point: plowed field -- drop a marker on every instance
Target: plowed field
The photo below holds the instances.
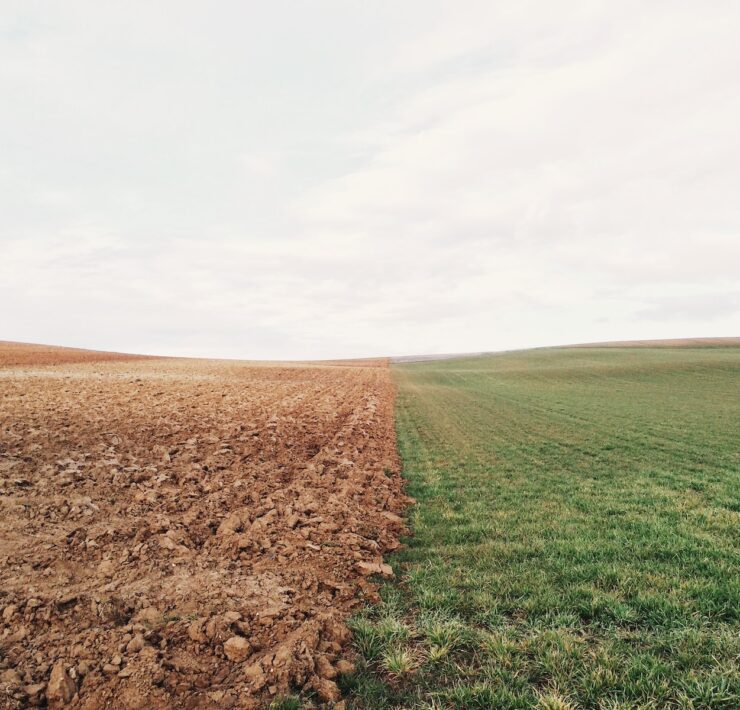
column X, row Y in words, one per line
column 184, row 533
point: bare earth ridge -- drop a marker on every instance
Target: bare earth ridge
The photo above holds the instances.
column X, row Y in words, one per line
column 187, row 533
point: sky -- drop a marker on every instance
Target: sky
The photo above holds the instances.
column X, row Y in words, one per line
column 301, row 180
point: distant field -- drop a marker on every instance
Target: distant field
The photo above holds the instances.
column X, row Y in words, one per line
column 17, row 354
column 576, row 537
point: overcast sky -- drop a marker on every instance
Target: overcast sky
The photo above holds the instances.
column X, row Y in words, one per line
column 338, row 179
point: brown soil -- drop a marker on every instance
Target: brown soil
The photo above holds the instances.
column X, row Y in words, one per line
column 12, row 354
column 182, row 533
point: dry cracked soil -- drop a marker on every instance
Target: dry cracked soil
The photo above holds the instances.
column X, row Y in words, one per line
column 183, row 533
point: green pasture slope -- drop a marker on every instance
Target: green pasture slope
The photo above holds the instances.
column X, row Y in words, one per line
column 576, row 534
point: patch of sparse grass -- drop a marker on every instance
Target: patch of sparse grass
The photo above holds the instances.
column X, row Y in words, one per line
column 437, row 654
column 442, row 632
column 576, row 535
column 367, row 640
column 287, row 702
column 399, row 661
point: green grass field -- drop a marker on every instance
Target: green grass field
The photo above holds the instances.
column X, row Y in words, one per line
column 575, row 538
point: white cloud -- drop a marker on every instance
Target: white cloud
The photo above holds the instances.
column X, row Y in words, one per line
column 325, row 180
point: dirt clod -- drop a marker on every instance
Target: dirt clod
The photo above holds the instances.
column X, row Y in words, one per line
column 326, row 689
column 135, row 644
column 61, row 687
column 237, row 648
column 345, row 667
column 368, row 568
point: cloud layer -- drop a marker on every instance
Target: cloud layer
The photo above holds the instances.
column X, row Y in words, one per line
column 290, row 180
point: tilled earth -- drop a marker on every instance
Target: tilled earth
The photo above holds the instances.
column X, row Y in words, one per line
column 184, row 533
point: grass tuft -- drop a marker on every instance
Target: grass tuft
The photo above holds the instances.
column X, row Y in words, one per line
column 399, row 662
column 287, row 702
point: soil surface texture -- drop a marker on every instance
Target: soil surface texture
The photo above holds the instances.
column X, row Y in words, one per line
column 187, row 533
